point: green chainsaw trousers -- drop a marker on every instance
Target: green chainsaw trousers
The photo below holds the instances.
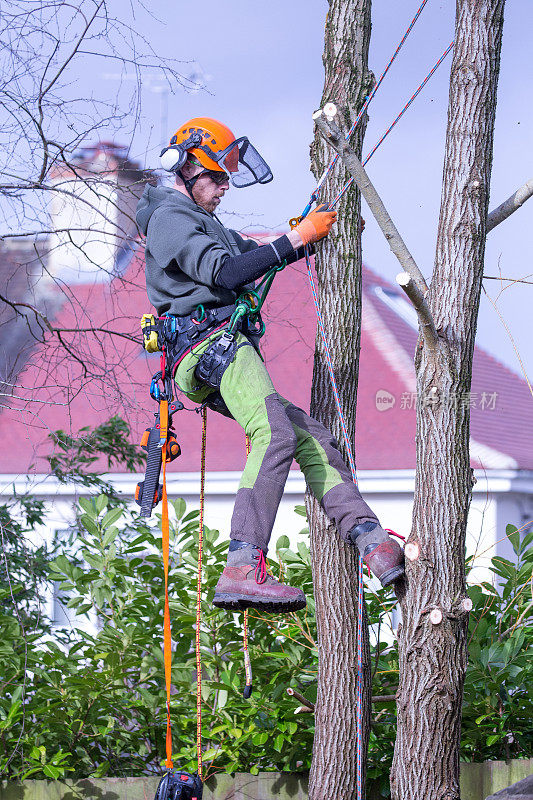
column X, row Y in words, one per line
column 278, row 432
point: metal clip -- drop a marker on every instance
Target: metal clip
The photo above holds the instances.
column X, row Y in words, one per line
column 294, row 221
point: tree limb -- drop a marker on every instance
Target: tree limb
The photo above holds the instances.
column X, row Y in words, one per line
column 427, row 326
column 383, row 698
column 510, row 205
column 306, row 703
column 336, row 139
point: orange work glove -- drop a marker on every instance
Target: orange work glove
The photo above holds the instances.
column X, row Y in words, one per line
column 317, row 224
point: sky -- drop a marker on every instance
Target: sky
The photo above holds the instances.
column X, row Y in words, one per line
column 261, row 66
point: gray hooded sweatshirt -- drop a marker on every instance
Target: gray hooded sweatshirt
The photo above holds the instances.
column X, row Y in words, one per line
column 186, row 247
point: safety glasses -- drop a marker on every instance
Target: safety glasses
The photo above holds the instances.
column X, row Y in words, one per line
column 217, row 177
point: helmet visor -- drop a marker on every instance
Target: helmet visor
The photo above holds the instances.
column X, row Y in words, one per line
column 243, row 163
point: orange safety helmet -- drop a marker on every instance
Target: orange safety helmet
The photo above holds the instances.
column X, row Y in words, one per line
column 216, row 148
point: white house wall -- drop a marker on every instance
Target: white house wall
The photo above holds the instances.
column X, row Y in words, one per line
column 83, row 250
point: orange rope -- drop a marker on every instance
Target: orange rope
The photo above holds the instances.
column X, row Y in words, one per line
column 167, row 636
column 199, row 598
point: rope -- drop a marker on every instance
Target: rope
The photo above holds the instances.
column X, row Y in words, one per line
column 199, row 598
column 247, row 662
column 167, row 636
column 370, row 97
column 393, row 124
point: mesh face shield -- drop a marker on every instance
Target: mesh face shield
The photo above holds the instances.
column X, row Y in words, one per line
column 242, row 162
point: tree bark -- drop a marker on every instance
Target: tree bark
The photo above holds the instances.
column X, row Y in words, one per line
column 432, row 638
column 338, row 265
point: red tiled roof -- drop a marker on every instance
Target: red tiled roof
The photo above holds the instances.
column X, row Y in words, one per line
column 59, row 395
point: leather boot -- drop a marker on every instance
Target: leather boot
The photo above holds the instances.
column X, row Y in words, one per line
column 245, row 583
column 381, row 553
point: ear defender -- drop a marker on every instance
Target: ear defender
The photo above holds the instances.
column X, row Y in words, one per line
column 174, row 156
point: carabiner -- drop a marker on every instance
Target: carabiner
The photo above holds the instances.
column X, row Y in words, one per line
column 294, row 221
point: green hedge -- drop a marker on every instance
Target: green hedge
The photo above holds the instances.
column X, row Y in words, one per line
column 77, row 704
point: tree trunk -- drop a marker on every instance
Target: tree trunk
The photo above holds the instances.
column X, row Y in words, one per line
column 432, row 639
column 338, row 265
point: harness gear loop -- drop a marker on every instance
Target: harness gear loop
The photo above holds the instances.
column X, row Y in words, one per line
column 199, row 598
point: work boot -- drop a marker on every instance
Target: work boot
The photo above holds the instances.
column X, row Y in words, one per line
column 381, row 553
column 245, row 583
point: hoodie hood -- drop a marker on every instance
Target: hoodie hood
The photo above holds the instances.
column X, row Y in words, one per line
column 154, row 197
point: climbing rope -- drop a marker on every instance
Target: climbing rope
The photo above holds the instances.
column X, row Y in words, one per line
column 167, row 637
column 368, row 100
column 199, row 598
column 393, row 124
column 247, row 691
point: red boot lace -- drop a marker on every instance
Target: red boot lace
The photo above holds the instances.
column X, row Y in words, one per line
column 261, row 569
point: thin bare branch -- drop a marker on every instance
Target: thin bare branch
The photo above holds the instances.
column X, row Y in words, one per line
column 509, row 206
column 427, row 326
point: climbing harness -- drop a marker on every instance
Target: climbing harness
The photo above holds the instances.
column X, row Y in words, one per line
column 178, row 336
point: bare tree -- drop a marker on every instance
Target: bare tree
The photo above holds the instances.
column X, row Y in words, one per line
column 338, row 265
column 67, row 191
column 432, row 637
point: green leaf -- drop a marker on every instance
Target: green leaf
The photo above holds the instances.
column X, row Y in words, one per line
column 51, row 772
column 180, row 506
column 101, row 502
column 493, row 739
column 300, row 510
column 222, row 698
column 513, row 534
column 87, row 504
column 283, row 543
column 109, row 537
column 111, row 517
column 210, row 754
column 89, row 524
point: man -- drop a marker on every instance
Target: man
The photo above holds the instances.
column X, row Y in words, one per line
column 195, row 270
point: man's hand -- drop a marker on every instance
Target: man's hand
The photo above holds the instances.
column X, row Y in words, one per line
column 316, row 225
